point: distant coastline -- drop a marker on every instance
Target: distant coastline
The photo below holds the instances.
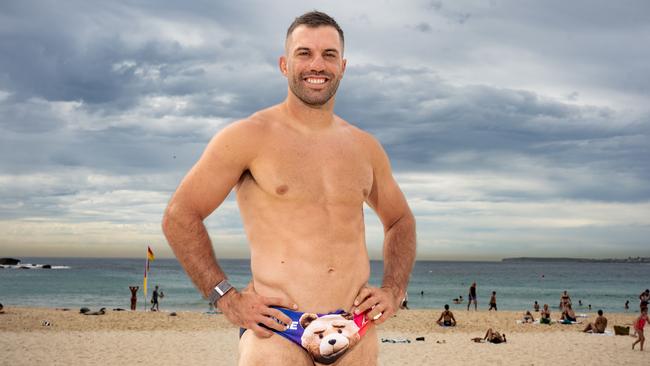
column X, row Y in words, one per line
column 581, row 260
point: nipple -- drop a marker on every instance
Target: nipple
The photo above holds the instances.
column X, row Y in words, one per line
column 282, row 189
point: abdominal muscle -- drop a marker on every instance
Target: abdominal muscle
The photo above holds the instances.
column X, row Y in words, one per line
column 313, row 254
column 321, row 283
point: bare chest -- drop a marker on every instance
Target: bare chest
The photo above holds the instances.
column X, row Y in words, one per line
column 332, row 171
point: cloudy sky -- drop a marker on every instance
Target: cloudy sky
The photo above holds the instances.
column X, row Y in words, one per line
column 515, row 128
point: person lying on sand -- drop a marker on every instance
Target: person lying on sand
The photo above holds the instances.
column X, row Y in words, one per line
column 446, row 318
column 491, row 336
column 598, row 326
column 101, row 311
column 528, row 317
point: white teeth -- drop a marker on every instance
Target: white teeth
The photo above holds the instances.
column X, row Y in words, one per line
column 315, row 81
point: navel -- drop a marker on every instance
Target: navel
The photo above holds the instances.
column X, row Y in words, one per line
column 282, row 189
column 365, row 193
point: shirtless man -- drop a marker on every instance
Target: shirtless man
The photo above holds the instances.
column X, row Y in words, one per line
column 301, row 174
column 491, row 336
column 446, row 319
column 472, row 297
column 598, row 326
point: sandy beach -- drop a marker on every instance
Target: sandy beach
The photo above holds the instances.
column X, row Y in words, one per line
column 190, row 338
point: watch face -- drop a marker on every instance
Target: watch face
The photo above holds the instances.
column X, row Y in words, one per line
column 223, row 287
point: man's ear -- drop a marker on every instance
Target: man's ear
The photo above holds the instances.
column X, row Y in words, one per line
column 345, row 62
column 282, row 63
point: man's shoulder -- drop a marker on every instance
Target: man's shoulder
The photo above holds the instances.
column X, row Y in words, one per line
column 367, row 139
column 244, row 133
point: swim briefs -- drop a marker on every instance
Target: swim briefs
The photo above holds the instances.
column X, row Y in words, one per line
column 326, row 337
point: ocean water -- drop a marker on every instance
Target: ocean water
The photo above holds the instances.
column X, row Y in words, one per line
column 94, row 283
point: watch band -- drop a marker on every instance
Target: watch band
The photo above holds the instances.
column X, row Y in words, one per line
column 219, row 290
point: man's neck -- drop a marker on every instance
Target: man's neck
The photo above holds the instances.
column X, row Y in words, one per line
column 309, row 117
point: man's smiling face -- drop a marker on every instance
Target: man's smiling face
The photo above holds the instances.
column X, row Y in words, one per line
column 313, row 63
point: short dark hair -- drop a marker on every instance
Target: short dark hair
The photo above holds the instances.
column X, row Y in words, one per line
column 446, row 307
column 314, row 19
column 600, row 312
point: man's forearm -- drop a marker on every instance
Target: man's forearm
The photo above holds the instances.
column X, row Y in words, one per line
column 191, row 244
column 399, row 254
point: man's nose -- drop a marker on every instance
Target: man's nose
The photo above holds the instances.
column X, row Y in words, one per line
column 317, row 63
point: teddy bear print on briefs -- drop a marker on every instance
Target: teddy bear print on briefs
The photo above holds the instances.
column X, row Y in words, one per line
column 328, row 337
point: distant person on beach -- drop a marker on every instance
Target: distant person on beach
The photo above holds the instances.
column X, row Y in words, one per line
column 301, row 176
column 565, row 300
column 639, row 324
column 598, row 326
column 536, row 306
column 134, row 296
column 458, row 300
column 627, row 305
column 492, row 336
column 446, row 319
column 644, row 298
column 493, row 301
column 2, row 309
column 545, row 315
column 154, row 299
column 568, row 315
column 472, row 297
column 528, row 317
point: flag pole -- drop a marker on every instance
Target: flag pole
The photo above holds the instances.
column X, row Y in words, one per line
column 144, row 282
column 150, row 257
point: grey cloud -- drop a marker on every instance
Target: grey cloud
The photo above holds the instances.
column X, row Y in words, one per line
column 423, row 27
column 497, row 94
column 420, row 118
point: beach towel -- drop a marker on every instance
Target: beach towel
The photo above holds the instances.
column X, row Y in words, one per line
column 519, row 321
column 395, row 340
column 536, row 322
column 607, row 333
column 560, row 321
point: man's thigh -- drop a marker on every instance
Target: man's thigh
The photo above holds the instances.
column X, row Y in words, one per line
column 275, row 350
column 364, row 353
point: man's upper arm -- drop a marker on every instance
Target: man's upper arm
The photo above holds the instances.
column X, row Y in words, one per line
column 211, row 179
column 385, row 197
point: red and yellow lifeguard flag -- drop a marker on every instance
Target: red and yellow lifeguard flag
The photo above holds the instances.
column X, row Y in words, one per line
column 150, row 258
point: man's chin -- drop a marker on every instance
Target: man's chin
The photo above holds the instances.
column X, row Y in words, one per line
column 314, row 101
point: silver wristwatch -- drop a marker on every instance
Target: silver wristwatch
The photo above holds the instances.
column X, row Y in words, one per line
column 219, row 290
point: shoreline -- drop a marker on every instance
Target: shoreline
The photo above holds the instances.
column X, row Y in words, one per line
column 193, row 338
column 633, row 311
